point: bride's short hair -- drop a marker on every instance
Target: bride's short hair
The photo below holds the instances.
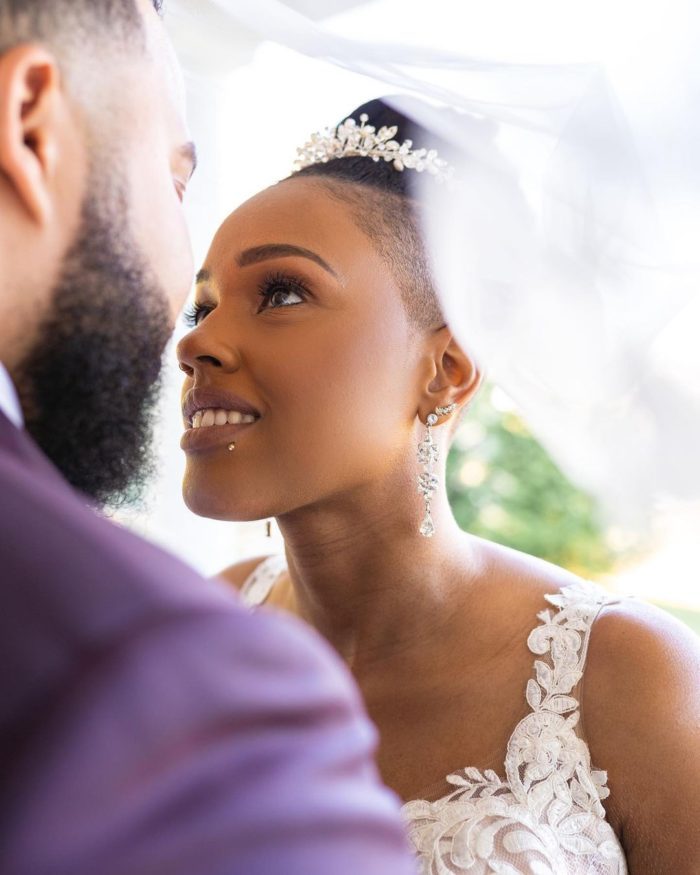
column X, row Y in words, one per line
column 383, row 202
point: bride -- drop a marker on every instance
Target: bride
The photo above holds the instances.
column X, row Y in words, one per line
column 322, row 385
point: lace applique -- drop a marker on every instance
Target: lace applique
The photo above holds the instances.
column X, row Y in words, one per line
column 258, row 586
column 546, row 817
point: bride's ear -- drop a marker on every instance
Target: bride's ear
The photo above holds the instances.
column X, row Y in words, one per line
column 455, row 377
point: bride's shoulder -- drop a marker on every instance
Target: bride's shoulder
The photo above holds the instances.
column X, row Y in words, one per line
column 642, row 670
column 522, row 579
column 642, row 662
column 641, row 710
column 634, row 647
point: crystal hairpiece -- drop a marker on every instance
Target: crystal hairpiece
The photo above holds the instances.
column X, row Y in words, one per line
column 350, row 139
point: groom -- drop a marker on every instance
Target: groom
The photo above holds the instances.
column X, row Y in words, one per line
column 148, row 724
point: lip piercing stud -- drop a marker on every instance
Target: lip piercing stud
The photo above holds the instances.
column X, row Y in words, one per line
column 231, row 447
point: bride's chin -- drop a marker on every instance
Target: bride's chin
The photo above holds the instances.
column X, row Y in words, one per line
column 215, row 507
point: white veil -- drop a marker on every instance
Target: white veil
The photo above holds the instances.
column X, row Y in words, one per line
column 567, row 260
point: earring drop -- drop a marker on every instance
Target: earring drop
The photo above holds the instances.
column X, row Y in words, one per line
column 428, row 456
column 231, row 447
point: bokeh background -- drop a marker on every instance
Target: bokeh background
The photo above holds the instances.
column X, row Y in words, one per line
column 503, row 485
column 251, row 103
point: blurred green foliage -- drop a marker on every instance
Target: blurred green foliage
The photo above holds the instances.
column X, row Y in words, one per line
column 504, row 486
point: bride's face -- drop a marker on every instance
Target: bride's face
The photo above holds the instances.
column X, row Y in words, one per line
column 301, row 325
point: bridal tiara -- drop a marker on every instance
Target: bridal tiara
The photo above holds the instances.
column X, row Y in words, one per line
column 351, row 140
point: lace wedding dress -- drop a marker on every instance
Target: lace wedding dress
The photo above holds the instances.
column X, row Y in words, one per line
column 543, row 815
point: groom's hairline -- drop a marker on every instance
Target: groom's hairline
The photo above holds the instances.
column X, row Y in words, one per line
column 54, row 22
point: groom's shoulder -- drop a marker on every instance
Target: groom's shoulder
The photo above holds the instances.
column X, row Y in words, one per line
column 124, row 669
column 67, row 570
column 68, row 554
column 74, row 583
column 77, row 587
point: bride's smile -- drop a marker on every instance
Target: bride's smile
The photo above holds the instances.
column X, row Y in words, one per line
column 212, row 417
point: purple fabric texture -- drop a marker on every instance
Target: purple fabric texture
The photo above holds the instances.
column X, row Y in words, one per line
column 150, row 724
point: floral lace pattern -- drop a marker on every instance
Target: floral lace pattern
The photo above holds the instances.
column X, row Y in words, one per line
column 546, row 816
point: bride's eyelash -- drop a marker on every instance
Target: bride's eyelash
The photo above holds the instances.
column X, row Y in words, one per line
column 194, row 313
column 281, row 282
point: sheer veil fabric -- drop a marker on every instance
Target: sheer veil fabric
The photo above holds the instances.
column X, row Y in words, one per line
column 565, row 256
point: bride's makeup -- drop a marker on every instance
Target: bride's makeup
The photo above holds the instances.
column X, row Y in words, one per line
column 194, row 313
column 274, row 287
column 276, row 291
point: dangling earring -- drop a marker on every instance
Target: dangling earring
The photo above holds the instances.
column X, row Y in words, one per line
column 428, row 456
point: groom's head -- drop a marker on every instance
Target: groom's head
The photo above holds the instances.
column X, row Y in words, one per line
column 95, row 258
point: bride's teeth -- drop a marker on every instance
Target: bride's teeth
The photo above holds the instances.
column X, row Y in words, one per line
column 208, row 418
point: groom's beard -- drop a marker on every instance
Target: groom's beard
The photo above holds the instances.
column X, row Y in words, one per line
column 91, row 382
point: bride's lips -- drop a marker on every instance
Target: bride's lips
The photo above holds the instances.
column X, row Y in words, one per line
column 196, row 401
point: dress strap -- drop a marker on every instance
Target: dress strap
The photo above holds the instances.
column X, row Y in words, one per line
column 258, row 585
column 547, row 760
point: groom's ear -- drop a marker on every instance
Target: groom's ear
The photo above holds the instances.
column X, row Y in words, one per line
column 455, row 375
column 33, row 118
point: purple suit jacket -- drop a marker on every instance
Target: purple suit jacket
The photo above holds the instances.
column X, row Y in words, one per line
column 149, row 724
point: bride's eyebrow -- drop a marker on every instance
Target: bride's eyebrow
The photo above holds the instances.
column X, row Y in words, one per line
column 281, row 250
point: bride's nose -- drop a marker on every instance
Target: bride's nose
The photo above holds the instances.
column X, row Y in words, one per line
column 202, row 349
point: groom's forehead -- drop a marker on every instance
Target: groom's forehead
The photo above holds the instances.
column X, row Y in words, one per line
column 166, row 64
column 164, row 93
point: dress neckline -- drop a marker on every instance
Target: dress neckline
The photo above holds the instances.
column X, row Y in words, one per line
column 545, row 813
column 548, row 731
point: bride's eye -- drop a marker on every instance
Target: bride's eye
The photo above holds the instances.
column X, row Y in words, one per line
column 195, row 313
column 281, row 290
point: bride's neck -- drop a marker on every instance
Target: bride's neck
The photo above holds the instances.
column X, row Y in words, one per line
column 366, row 579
